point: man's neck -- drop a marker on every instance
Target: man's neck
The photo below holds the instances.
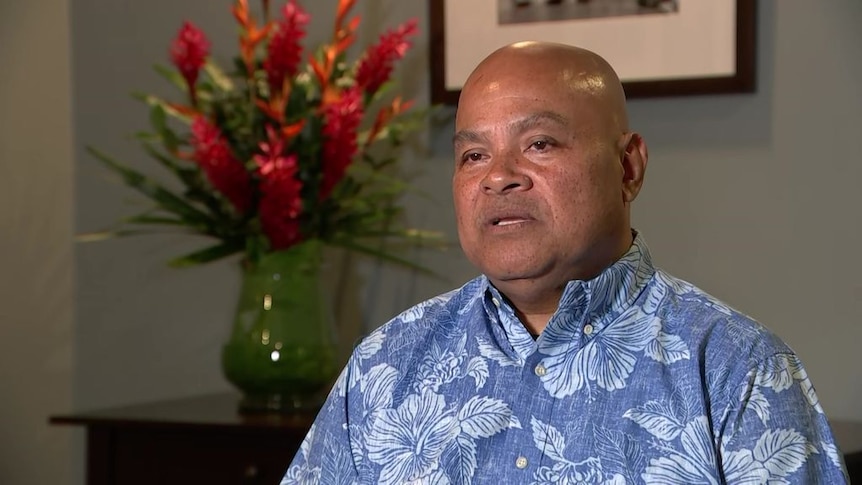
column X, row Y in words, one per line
column 535, row 323
column 535, row 300
column 533, row 306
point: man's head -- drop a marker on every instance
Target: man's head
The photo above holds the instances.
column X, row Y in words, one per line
column 545, row 169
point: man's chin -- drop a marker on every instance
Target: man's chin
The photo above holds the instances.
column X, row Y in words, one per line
column 514, row 274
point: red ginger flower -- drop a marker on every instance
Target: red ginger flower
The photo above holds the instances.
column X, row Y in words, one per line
column 375, row 68
column 284, row 51
column 280, row 202
column 250, row 35
column 189, row 52
column 223, row 170
column 385, row 115
column 341, row 122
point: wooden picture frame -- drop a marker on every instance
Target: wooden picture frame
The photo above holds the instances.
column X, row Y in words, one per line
column 706, row 47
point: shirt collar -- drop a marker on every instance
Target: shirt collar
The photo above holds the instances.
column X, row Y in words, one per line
column 607, row 295
column 597, row 301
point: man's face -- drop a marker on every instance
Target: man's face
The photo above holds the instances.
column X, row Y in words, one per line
column 538, row 181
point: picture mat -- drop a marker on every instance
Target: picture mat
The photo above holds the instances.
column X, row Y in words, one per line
column 697, row 41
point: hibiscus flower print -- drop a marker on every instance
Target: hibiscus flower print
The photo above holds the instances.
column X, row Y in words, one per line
column 440, row 366
column 411, row 438
column 553, row 444
column 776, row 455
column 607, row 360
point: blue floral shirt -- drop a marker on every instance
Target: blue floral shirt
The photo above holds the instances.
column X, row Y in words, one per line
column 638, row 378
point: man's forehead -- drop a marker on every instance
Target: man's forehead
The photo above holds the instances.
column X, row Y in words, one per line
column 478, row 130
column 517, row 120
column 524, row 89
column 535, row 103
column 553, row 74
column 586, row 81
column 574, row 104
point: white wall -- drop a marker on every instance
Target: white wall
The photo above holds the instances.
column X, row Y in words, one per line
column 36, row 297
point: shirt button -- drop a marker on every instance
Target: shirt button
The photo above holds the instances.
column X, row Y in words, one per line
column 521, row 462
column 540, row 370
column 588, row 329
column 496, row 302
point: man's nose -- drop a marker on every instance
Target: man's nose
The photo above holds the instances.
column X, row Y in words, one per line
column 506, row 174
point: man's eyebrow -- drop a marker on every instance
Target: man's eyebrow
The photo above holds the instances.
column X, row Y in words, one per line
column 467, row 136
column 524, row 124
column 517, row 126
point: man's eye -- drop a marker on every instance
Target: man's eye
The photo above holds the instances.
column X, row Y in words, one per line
column 472, row 157
column 540, row 145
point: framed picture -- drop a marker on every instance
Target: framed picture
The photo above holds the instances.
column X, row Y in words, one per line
column 658, row 47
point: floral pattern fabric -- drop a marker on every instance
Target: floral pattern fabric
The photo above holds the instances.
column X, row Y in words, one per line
column 638, row 378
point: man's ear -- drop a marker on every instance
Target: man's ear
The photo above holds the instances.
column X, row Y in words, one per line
column 634, row 162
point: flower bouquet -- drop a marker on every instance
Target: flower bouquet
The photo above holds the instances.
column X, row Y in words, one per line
column 275, row 158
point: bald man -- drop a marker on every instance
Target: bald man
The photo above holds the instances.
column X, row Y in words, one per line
column 571, row 359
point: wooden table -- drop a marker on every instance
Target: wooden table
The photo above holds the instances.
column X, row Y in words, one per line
column 848, row 434
column 204, row 440
column 198, row 440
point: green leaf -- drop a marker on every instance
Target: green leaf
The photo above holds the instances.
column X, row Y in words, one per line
column 415, row 237
column 146, row 136
column 172, row 76
column 164, row 198
column 96, row 236
column 381, row 92
column 103, row 235
column 163, row 159
column 155, row 220
column 191, row 178
column 206, row 255
column 218, row 77
column 169, row 110
column 159, row 120
column 384, row 255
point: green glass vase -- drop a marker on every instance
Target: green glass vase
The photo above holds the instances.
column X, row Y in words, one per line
column 282, row 352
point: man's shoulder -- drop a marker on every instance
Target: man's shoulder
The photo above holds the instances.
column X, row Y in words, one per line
column 709, row 320
column 413, row 325
column 683, row 296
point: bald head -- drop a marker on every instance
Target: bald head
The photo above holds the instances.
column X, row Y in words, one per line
column 545, row 171
column 567, row 70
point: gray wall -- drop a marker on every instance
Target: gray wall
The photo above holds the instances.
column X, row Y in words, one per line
column 754, row 198
column 36, row 292
column 747, row 196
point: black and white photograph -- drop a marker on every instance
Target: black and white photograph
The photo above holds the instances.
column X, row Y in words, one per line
column 523, row 11
column 659, row 47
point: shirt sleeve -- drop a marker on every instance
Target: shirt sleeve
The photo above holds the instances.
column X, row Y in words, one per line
column 777, row 430
column 325, row 454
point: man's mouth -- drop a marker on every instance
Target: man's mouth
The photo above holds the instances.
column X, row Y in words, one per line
column 507, row 221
